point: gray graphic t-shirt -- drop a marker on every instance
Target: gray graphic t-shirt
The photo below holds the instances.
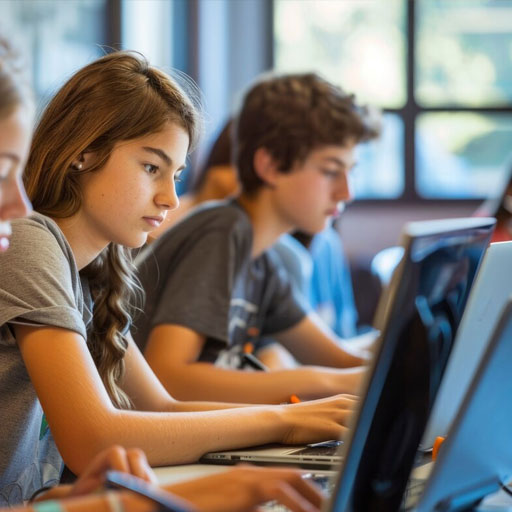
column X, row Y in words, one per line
column 200, row 274
column 39, row 285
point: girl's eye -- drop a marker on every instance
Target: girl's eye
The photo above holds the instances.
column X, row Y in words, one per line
column 152, row 169
column 177, row 177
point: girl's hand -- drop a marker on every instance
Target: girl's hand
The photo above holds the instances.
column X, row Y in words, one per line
column 132, row 461
column 318, row 420
column 245, row 487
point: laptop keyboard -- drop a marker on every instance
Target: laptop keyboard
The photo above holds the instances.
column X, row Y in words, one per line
column 412, row 493
column 326, row 449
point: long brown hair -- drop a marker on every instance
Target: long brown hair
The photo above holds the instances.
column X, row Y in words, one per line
column 116, row 98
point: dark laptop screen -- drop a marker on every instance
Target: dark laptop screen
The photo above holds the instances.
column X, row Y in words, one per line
column 424, row 306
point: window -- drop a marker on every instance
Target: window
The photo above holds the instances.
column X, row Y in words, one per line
column 463, row 90
column 146, row 27
column 57, row 37
column 440, row 70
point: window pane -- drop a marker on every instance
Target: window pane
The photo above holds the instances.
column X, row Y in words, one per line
column 357, row 44
column 154, row 44
column 57, row 37
column 379, row 172
column 464, row 52
column 462, row 155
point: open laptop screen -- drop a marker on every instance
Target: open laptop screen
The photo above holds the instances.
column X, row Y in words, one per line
column 419, row 317
column 489, row 293
column 476, row 457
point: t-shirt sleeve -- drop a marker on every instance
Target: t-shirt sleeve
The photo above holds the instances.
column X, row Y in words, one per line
column 196, row 285
column 286, row 305
column 36, row 283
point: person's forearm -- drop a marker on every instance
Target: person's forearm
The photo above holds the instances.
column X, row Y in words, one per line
column 168, row 438
column 202, row 381
column 351, row 356
column 311, row 342
column 189, row 406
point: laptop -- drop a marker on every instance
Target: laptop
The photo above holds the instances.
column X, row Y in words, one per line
column 316, row 456
column 492, row 288
column 422, row 310
column 476, row 457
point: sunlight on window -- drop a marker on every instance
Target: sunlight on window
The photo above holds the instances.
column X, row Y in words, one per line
column 462, row 154
column 57, row 38
column 145, row 27
column 379, row 173
column 464, row 52
column 359, row 45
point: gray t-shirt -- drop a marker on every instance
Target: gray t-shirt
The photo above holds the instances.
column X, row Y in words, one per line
column 39, row 285
column 200, row 274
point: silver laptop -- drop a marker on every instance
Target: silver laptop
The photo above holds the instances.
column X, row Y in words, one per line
column 314, row 456
column 476, row 457
column 423, row 307
column 492, row 288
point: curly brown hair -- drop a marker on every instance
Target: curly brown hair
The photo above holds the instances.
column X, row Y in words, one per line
column 115, row 98
column 289, row 116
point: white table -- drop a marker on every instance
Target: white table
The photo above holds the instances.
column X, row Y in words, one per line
column 174, row 474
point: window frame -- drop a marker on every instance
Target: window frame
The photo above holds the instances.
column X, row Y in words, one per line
column 409, row 114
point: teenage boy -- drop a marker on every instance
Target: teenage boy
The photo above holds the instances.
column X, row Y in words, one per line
column 213, row 284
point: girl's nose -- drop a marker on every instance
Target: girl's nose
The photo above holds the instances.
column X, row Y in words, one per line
column 168, row 198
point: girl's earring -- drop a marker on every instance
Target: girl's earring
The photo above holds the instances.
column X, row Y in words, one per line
column 78, row 164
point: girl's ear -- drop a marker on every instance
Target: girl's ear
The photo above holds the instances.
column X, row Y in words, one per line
column 265, row 167
column 84, row 161
column 89, row 158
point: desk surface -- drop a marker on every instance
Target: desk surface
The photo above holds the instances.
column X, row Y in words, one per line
column 174, row 474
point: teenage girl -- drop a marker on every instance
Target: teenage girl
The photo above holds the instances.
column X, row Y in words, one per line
column 101, row 175
column 246, row 487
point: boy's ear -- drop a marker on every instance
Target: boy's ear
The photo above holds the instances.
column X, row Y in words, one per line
column 265, row 167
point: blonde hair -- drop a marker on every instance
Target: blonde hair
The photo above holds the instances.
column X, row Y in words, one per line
column 14, row 86
column 118, row 97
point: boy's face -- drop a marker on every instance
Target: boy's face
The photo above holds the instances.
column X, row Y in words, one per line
column 316, row 188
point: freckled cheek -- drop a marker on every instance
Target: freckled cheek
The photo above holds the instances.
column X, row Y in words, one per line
column 132, row 191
